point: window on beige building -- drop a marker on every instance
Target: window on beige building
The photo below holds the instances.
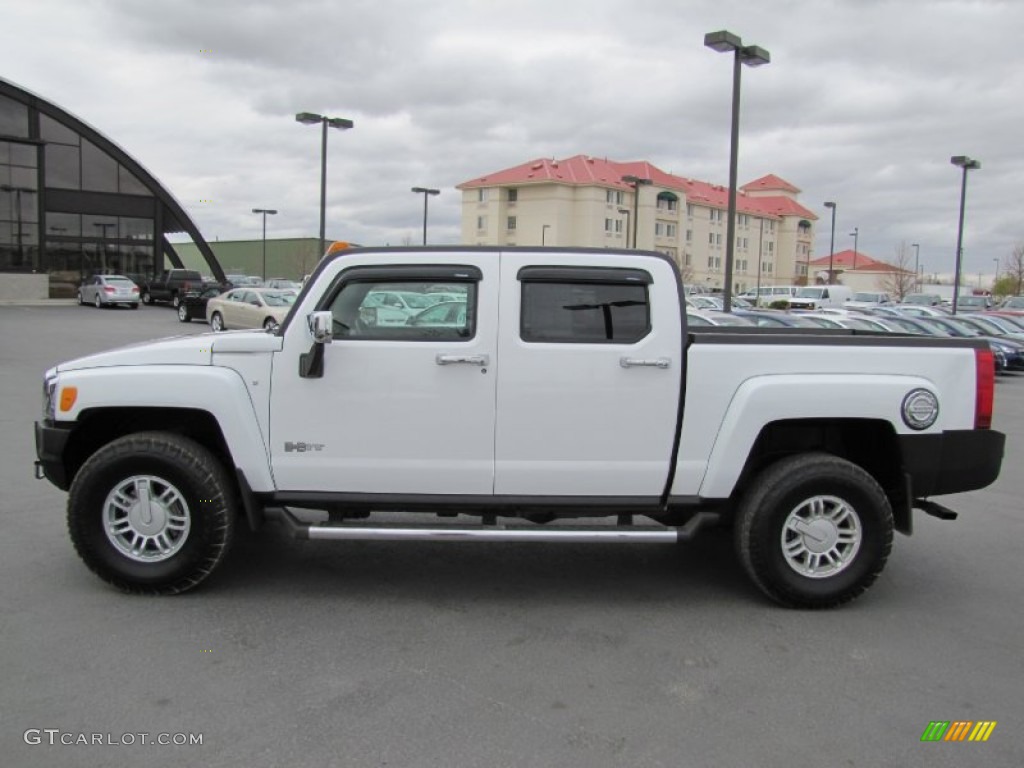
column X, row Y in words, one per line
column 513, row 195
column 481, row 222
column 481, row 195
column 511, row 223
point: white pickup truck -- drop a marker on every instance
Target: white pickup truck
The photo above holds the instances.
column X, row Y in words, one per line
column 557, row 384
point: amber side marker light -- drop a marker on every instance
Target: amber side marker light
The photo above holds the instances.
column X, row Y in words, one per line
column 68, row 395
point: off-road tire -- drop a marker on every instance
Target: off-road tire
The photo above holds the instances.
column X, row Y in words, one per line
column 204, row 486
column 774, row 497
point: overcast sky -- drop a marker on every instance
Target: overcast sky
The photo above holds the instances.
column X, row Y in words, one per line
column 864, row 103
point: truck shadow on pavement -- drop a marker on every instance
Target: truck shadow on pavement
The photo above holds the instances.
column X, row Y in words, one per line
column 703, row 571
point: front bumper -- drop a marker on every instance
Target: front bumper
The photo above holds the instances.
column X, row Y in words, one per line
column 954, row 461
column 51, row 441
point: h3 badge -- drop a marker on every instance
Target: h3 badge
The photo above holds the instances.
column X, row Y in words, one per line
column 290, row 447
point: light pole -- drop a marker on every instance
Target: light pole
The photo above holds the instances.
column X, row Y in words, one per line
column 311, row 118
column 854, row 234
column 636, row 182
column 426, row 192
column 760, row 245
column 917, row 266
column 17, row 207
column 625, row 212
column 271, row 212
column 752, row 56
column 544, row 234
column 103, row 226
column 961, row 161
column 832, row 242
column 995, row 276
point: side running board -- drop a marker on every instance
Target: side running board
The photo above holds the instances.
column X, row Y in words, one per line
column 598, row 535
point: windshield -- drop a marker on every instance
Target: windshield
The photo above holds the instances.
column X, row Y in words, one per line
column 282, row 299
column 810, row 293
column 867, row 297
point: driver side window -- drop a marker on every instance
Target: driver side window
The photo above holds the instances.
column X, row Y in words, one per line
column 388, row 309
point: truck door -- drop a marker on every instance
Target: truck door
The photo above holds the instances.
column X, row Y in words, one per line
column 401, row 408
column 589, row 387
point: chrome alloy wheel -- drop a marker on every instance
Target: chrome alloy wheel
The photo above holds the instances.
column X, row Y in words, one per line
column 821, row 537
column 146, row 518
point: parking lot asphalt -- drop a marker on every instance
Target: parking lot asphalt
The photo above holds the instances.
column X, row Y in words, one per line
column 430, row 654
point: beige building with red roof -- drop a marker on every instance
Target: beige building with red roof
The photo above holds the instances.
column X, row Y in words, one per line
column 583, row 202
column 860, row 272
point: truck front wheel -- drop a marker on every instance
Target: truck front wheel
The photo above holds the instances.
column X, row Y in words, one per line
column 152, row 513
column 814, row 531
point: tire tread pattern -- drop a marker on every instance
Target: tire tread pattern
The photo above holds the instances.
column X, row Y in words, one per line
column 184, row 454
column 768, row 488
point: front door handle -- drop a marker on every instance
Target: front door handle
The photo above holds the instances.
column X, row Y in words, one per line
column 630, row 362
column 443, row 359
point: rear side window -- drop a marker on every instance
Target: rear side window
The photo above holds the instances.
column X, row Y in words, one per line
column 584, row 306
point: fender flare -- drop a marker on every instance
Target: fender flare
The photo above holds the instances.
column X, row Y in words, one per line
column 221, row 392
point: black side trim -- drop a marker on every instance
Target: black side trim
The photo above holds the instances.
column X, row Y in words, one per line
column 566, row 505
column 610, row 275
column 953, row 461
column 51, row 440
column 452, row 273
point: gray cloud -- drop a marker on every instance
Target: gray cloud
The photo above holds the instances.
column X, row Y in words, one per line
column 864, row 102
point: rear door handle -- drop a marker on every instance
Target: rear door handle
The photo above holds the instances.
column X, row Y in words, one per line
column 443, row 359
column 637, row 362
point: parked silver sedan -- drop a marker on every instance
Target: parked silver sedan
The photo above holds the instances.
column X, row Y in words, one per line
column 108, row 291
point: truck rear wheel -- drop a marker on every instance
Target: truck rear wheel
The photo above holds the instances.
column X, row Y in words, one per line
column 152, row 513
column 814, row 531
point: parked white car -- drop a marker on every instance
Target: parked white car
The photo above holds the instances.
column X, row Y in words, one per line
column 868, row 299
column 818, row 296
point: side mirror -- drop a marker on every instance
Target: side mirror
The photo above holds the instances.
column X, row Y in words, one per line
column 321, row 325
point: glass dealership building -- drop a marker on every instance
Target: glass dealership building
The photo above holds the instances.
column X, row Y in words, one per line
column 73, row 203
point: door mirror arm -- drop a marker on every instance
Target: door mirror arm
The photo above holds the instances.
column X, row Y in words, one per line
column 321, row 327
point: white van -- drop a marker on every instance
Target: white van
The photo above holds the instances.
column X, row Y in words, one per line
column 818, row 296
column 766, row 294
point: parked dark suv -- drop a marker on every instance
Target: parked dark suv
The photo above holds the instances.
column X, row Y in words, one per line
column 171, row 285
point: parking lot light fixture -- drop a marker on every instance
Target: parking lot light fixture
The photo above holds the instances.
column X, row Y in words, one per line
column 426, row 192
column 832, row 242
column 265, row 212
column 341, row 123
column 752, row 56
column 625, row 212
column 967, row 164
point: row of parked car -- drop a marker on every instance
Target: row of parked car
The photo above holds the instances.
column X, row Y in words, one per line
column 1002, row 327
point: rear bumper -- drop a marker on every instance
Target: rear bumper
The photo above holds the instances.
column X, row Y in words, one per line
column 50, row 444
column 953, row 461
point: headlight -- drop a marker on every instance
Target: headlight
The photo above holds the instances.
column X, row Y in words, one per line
column 49, row 390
